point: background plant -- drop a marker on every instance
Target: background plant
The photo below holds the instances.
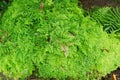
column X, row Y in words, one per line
column 109, row 17
column 3, row 6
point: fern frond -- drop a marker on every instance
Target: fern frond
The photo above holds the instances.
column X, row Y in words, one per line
column 109, row 18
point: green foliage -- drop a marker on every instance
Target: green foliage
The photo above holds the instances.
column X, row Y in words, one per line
column 109, row 18
column 3, row 6
column 56, row 40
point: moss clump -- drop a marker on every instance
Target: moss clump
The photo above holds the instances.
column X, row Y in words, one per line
column 56, row 40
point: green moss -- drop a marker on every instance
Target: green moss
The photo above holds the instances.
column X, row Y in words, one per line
column 57, row 41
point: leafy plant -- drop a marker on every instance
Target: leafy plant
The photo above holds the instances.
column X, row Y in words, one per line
column 55, row 40
column 109, row 18
column 3, row 6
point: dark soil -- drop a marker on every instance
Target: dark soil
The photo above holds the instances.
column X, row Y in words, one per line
column 90, row 4
column 111, row 75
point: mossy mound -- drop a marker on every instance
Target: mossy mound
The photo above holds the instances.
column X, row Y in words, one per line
column 54, row 39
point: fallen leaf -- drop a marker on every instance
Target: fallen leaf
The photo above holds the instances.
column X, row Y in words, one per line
column 65, row 49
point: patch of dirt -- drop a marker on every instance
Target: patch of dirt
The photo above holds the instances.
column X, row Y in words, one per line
column 90, row 4
column 114, row 75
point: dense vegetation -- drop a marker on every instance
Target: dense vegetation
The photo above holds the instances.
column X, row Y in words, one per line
column 54, row 39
